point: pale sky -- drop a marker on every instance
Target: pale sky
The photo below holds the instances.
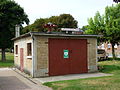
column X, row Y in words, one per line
column 81, row 10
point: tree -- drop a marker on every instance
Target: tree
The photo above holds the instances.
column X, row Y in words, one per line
column 97, row 26
column 10, row 14
column 112, row 25
column 37, row 26
column 62, row 21
column 107, row 25
column 84, row 28
column 66, row 21
column 116, row 1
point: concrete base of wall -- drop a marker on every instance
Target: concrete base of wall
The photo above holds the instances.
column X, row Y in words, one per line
column 25, row 70
column 41, row 73
column 93, row 68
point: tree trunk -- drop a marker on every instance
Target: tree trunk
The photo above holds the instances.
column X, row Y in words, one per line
column 113, row 52
column 3, row 55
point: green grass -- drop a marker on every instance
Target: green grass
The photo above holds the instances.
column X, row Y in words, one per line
column 99, row 83
column 9, row 60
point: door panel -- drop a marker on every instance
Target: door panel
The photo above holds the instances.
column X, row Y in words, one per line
column 77, row 61
column 57, row 64
column 21, row 59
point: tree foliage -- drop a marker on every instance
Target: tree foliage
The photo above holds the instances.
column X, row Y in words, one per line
column 84, row 28
column 116, row 1
column 10, row 14
column 107, row 25
column 62, row 21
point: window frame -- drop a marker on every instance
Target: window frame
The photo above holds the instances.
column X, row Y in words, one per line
column 29, row 50
column 16, row 49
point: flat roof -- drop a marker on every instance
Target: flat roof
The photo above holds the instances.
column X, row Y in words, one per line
column 55, row 34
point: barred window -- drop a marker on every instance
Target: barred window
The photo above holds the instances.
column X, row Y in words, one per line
column 16, row 49
column 29, row 49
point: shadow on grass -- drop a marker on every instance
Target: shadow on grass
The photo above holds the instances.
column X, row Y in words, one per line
column 9, row 60
column 110, row 69
column 110, row 59
column 7, row 63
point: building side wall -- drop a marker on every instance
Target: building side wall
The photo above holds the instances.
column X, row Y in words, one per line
column 42, row 56
column 22, row 43
column 92, row 54
column 40, row 66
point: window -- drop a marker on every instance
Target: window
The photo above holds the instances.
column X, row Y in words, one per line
column 109, row 45
column 29, row 49
column 102, row 46
column 115, row 46
column 16, row 49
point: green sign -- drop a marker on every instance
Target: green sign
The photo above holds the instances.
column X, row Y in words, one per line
column 66, row 53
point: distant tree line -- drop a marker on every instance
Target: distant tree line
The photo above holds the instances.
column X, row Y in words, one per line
column 62, row 21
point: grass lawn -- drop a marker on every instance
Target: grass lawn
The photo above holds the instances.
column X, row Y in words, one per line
column 99, row 83
column 9, row 62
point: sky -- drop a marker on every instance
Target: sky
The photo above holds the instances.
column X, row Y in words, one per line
column 81, row 10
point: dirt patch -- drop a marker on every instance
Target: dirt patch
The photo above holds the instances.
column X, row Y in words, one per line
column 61, row 85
